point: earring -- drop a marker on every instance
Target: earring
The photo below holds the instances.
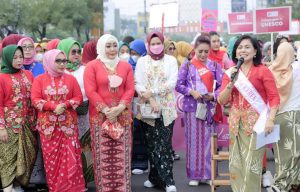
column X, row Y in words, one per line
column 254, row 56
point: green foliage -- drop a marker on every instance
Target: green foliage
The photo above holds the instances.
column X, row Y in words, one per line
column 11, row 16
column 40, row 17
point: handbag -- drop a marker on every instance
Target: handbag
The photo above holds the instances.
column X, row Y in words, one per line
column 147, row 112
column 113, row 130
column 83, row 109
column 201, row 111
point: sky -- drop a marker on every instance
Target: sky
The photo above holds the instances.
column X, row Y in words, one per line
column 132, row 7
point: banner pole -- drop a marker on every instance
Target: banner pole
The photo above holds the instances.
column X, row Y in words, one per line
column 272, row 55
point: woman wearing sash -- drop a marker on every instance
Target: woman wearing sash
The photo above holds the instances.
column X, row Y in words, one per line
column 196, row 83
column 245, row 161
column 109, row 85
column 287, row 150
column 156, row 76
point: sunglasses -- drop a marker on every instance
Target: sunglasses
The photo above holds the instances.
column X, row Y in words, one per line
column 172, row 48
column 61, row 61
column 74, row 51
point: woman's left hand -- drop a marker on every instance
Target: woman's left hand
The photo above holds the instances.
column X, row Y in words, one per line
column 114, row 112
column 269, row 126
column 146, row 95
column 209, row 97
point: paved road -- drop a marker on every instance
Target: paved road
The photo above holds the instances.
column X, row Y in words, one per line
column 181, row 180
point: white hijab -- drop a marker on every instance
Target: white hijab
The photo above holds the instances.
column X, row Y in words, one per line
column 109, row 63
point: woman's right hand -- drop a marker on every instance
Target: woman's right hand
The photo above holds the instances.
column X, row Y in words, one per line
column 234, row 70
column 3, row 135
column 60, row 109
column 195, row 94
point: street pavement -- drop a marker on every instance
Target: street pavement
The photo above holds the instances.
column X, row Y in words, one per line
column 181, row 179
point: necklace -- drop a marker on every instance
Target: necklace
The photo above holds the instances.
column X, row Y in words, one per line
column 57, row 93
column 155, row 73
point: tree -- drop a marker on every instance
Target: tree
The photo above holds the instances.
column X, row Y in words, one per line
column 77, row 12
column 11, row 17
column 38, row 17
column 41, row 14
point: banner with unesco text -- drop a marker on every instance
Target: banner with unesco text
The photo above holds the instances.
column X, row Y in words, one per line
column 272, row 20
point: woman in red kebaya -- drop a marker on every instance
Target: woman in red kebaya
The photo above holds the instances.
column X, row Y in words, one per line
column 56, row 95
column 17, row 143
column 109, row 86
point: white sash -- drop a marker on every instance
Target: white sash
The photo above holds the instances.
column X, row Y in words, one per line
column 248, row 91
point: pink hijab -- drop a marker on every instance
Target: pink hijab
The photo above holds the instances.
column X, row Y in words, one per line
column 49, row 62
column 27, row 61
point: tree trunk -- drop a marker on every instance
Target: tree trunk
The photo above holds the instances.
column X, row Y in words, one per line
column 78, row 33
column 87, row 34
column 44, row 31
column 2, row 34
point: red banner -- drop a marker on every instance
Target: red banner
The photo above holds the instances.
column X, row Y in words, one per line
column 273, row 20
column 240, row 23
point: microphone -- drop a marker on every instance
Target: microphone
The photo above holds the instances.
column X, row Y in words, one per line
column 238, row 66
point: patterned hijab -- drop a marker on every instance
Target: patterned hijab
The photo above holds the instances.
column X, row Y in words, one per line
column 109, row 63
column 89, row 51
column 28, row 61
column 8, row 53
column 161, row 37
column 49, row 62
column 282, row 71
column 65, row 45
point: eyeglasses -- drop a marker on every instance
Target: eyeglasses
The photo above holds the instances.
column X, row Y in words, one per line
column 74, row 51
column 61, row 61
column 30, row 47
column 172, row 48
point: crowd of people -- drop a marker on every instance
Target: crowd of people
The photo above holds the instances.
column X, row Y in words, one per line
column 70, row 115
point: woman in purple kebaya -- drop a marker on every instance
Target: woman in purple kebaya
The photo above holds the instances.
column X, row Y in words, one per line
column 199, row 80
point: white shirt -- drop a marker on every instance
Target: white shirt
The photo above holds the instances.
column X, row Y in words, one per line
column 170, row 70
column 78, row 74
column 293, row 102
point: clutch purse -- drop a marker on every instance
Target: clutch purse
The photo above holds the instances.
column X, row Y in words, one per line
column 113, row 130
column 201, row 111
column 147, row 112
